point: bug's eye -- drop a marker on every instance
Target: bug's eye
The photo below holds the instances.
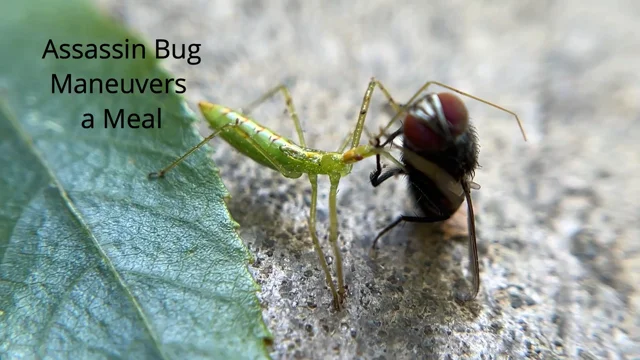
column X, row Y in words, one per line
column 455, row 112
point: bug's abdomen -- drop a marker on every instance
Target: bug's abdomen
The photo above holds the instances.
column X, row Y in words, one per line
column 253, row 140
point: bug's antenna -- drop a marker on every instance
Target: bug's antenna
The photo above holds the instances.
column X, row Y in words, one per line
column 486, row 102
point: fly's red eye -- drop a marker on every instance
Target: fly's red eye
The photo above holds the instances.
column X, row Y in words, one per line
column 421, row 136
column 455, row 112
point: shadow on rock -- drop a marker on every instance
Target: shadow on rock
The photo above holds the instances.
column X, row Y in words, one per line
column 410, row 300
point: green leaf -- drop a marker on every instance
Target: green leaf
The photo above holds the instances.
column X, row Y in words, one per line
column 97, row 261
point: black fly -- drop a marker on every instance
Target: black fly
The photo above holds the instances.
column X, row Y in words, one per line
column 439, row 157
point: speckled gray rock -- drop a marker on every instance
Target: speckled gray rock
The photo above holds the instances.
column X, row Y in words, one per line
column 557, row 217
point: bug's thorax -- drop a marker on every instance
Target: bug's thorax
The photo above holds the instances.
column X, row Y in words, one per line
column 358, row 153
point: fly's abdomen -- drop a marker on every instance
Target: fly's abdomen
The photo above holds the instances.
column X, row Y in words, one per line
column 429, row 197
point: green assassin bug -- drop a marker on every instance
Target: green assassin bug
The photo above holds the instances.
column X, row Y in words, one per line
column 293, row 160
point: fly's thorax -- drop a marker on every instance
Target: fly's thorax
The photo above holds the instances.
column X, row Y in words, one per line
column 459, row 158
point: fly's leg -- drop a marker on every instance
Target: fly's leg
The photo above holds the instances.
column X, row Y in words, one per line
column 377, row 177
column 405, row 218
column 291, row 109
column 313, row 179
column 474, row 268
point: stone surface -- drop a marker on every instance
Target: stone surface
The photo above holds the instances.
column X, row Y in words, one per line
column 557, row 217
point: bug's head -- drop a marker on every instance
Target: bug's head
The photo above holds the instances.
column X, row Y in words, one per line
column 435, row 121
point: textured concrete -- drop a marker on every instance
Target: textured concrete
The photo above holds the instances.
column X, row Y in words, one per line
column 557, row 217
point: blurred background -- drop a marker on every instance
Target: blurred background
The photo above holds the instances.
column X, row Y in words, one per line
column 557, row 217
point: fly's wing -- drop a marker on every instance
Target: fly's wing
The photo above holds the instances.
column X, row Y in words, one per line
column 451, row 188
column 454, row 191
column 473, row 248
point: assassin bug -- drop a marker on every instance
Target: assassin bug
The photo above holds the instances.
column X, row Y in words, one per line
column 439, row 157
column 293, row 160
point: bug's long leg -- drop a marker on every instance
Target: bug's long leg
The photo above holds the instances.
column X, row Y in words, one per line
column 345, row 142
column 313, row 179
column 473, row 249
column 266, row 155
column 357, row 132
column 291, row 109
column 364, row 108
column 429, row 83
column 333, row 232
column 181, row 158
